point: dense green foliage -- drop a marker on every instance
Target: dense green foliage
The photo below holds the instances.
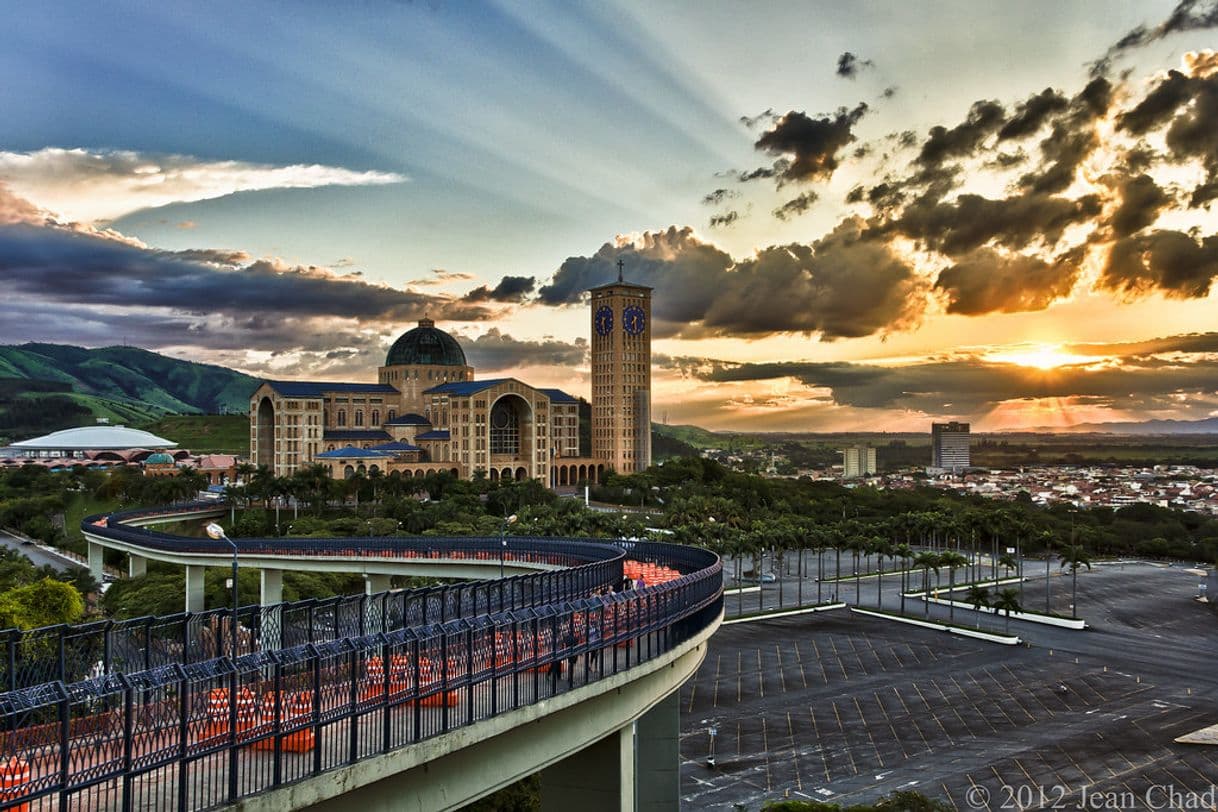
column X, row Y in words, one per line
column 125, row 384
column 207, row 433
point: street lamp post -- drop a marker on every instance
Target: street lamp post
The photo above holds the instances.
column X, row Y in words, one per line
column 503, row 541
column 217, row 532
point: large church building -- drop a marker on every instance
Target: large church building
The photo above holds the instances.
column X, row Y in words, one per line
column 428, row 412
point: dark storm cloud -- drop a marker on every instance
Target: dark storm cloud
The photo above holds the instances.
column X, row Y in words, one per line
column 1030, row 115
column 943, row 144
column 1071, row 140
column 986, row 281
column 970, row 386
column 1188, row 15
column 796, row 206
column 1141, row 201
column 718, row 196
column 724, row 220
column 1171, row 262
column 842, row 285
column 777, row 169
column 509, row 289
column 848, row 65
column 812, row 143
column 752, row 121
column 495, row 351
column 55, row 264
column 970, row 221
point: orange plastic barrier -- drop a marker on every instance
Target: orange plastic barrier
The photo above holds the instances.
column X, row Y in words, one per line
column 295, row 705
column 14, row 775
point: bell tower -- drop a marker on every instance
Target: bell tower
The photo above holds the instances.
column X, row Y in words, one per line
column 621, row 374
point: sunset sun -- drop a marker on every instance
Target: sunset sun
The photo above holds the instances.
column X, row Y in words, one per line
column 1040, row 356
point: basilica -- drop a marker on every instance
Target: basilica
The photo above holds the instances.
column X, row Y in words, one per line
column 428, row 412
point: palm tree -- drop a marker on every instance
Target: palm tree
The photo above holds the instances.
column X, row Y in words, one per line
column 1047, row 537
column 882, row 547
column 927, row 561
column 1007, row 602
column 978, row 597
column 1075, row 556
column 905, row 553
column 856, row 545
column 951, row 559
column 1008, row 563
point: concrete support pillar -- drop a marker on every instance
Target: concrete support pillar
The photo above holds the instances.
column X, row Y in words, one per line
column 95, row 561
column 137, row 566
column 194, row 588
column 599, row 778
column 270, row 635
column 374, row 583
column 658, row 765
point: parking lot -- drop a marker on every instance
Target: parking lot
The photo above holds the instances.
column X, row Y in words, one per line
column 839, row 707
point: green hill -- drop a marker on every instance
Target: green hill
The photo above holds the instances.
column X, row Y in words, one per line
column 44, row 387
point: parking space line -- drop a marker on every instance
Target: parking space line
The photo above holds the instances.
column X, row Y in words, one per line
column 799, row 784
column 1077, row 766
column 718, row 666
column 760, row 676
column 782, row 678
column 765, row 749
column 824, row 755
column 867, row 729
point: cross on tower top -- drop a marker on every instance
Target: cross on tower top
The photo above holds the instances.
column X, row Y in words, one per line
column 619, row 269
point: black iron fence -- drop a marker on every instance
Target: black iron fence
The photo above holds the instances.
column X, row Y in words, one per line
column 348, row 678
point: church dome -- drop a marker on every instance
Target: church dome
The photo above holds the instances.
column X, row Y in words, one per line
column 425, row 345
column 160, row 458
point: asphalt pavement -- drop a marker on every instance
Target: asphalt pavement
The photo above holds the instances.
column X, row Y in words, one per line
column 41, row 556
column 844, row 708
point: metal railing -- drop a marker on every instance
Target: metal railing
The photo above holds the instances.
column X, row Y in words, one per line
column 158, row 734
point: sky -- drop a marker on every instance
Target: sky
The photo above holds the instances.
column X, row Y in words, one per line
column 856, row 217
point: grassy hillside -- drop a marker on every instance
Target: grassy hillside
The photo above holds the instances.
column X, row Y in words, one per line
column 701, row 438
column 53, row 386
column 208, row 433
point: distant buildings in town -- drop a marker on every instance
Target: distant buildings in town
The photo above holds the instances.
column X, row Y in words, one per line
column 949, row 447
column 858, row 461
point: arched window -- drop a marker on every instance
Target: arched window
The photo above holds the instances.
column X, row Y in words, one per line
column 359, row 417
column 342, row 417
column 392, row 415
column 376, row 417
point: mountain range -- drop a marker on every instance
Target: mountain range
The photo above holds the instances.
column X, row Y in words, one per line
column 44, row 387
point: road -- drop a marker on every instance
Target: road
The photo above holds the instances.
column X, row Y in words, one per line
column 41, row 556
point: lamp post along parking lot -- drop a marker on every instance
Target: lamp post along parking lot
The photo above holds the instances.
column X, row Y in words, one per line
column 216, row 532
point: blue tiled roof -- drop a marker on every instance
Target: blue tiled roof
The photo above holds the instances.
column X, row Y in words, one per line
column 434, row 434
column 395, row 447
column 355, row 434
column 351, row 451
column 408, row 420
column 315, row 389
column 463, row 387
column 558, row 396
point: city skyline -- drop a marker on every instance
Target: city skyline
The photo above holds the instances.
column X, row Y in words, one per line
column 864, row 218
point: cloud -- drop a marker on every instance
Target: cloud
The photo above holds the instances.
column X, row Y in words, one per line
column 1169, row 261
column 796, row 206
column 988, row 281
column 842, row 285
column 1188, row 15
column 943, row 143
column 719, row 196
column 971, row 387
column 971, row 221
column 439, row 276
column 90, row 186
column 1071, row 140
column 724, row 220
column 1141, row 201
column 14, row 209
column 1030, row 115
column 812, row 143
column 848, row 65
column 495, row 351
column 509, row 289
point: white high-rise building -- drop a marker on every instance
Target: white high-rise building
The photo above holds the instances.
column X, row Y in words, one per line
column 858, row 461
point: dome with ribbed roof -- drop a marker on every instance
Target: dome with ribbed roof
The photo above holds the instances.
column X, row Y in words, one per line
column 160, row 458
column 426, row 345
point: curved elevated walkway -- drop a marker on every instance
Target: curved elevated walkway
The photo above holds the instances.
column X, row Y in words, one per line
column 416, row 699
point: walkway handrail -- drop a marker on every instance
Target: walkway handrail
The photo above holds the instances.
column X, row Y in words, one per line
column 161, row 736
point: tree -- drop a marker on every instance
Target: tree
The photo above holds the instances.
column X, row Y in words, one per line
column 926, row 561
column 1007, row 602
column 882, row 547
column 978, row 597
column 43, row 603
column 905, row 553
column 1074, row 556
column 951, row 559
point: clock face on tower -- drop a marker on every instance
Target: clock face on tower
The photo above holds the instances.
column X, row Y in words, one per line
column 634, row 320
column 604, row 320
